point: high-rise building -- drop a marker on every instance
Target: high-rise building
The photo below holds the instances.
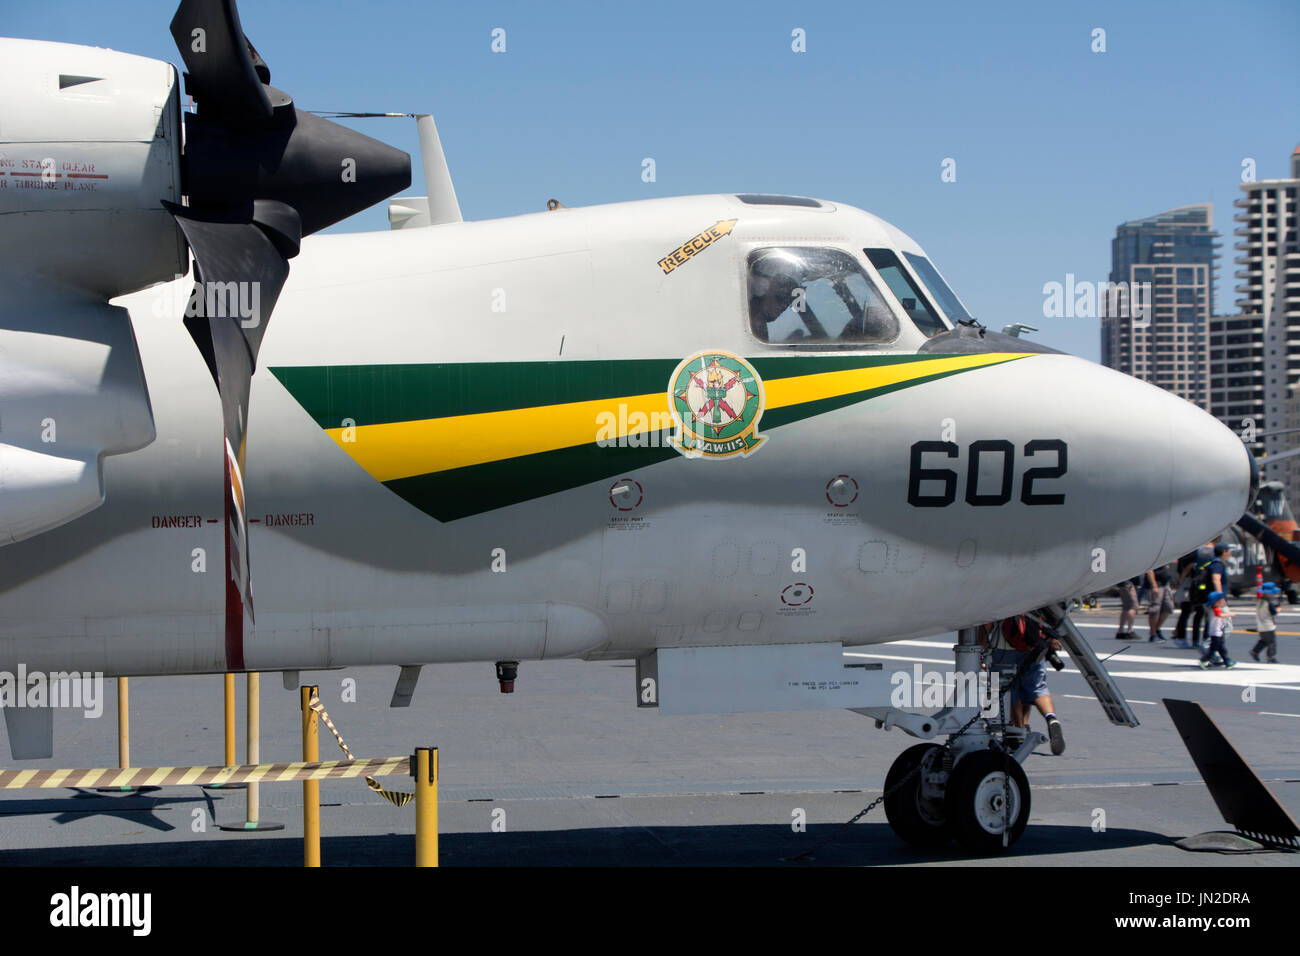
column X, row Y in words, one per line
column 1268, row 298
column 1237, row 375
column 1156, row 328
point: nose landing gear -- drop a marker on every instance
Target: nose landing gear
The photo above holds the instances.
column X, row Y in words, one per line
column 972, row 788
column 984, row 796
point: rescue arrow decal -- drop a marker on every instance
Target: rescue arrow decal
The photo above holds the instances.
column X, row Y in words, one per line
column 696, row 244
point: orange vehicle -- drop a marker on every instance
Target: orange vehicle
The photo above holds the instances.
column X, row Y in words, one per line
column 1274, row 527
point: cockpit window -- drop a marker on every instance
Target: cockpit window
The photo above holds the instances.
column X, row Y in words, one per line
column 818, row 297
column 1271, row 503
column 948, row 301
column 900, row 282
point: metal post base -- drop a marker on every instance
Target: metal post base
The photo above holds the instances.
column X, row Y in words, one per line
column 258, row 826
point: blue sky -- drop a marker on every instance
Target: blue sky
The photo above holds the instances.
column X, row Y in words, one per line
column 1054, row 144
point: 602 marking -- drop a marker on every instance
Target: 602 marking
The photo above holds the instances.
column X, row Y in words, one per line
column 976, row 451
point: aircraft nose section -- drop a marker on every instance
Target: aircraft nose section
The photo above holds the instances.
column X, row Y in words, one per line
column 1213, row 478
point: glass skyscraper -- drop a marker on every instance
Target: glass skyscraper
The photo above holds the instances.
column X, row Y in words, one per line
column 1162, row 337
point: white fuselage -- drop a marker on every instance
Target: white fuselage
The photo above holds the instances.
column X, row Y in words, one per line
column 531, row 561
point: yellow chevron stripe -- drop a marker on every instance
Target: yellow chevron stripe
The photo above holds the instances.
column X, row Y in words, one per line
column 123, row 777
column 91, row 778
column 57, row 777
column 21, row 779
column 405, row 449
column 157, row 777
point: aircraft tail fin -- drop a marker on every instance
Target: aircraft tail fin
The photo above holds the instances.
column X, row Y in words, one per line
column 440, row 205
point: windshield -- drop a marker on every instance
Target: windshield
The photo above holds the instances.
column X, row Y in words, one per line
column 1272, row 503
column 948, row 301
column 905, row 289
column 811, row 296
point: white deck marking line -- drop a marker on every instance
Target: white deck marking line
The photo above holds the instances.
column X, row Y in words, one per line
column 1240, row 676
column 1149, row 703
column 1145, row 633
column 1217, row 675
column 1288, row 672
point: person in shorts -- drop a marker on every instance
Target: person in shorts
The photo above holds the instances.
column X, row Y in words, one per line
column 1013, row 640
column 1128, row 609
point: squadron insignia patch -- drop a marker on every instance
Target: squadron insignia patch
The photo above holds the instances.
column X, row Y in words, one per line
column 717, row 399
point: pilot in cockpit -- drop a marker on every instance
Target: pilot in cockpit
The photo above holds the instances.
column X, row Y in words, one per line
column 815, row 296
column 775, row 281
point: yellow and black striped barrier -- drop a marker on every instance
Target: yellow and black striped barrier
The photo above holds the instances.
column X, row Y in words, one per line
column 395, row 797
column 197, row 776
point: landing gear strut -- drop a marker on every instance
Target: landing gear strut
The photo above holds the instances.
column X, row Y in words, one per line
column 972, row 788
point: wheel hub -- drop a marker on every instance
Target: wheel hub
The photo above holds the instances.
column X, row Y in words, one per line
column 991, row 811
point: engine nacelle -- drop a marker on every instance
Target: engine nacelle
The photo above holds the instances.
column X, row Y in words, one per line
column 90, row 145
column 71, row 391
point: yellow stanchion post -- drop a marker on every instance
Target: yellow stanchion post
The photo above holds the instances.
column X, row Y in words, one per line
column 230, row 720
column 253, row 755
column 253, row 744
column 230, row 757
column 424, row 767
column 310, row 788
column 123, row 723
column 123, row 737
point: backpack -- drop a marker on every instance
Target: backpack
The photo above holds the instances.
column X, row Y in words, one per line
column 1021, row 633
column 1201, row 589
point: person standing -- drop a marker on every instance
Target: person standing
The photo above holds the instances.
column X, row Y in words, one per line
column 1186, row 570
column 1218, row 626
column 1013, row 640
column 1160, row 602
column 1267, row 600
column 1214, row 578
column 1128, row 609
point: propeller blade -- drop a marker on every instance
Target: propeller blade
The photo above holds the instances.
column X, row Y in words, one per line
column 240, row 267
column 1270, row 538
column 222, row 67
column 241, row 263
column 259, row 176
column 1266, row 460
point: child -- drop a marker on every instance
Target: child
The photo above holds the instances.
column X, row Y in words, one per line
column 1268, row 598
column 1219, row 626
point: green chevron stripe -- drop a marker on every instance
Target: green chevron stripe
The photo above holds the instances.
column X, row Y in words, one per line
column 381, row 394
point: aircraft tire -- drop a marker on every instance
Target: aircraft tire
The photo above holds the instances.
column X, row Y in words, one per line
column 974, row 798
column 920, row 822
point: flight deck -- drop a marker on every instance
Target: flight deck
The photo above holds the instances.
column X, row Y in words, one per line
column 567, row 770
